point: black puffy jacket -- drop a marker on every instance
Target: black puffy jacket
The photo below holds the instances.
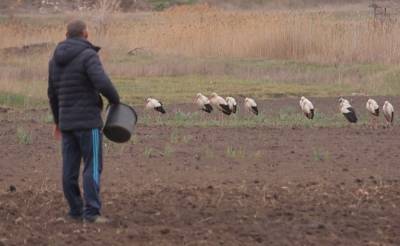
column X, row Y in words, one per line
column 76, row 79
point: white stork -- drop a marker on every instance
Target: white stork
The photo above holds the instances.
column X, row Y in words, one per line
column 388, row 112
column 343, row 101
column 154, row 104
column 232, row 104
column 204, row 103
column 220, row 103
column 307, row 107
column 251, row 105
column 347, row 110
column 373, row 108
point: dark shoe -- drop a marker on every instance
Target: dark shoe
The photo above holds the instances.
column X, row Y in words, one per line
column 98, row 219
column 75, row 218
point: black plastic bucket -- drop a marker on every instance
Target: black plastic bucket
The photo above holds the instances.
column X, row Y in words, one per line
column 120, row 122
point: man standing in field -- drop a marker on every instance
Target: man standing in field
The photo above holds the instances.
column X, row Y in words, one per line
column 76, row 80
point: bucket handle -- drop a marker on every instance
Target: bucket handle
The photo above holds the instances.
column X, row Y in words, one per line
column 107, row 112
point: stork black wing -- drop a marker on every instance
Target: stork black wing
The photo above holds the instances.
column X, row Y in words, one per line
column 255, row 110
column 234, row 109
column 311, row 114
column 207, row 108
column 225, row 109
column 160, row 109
column 376, row 112
column 351, row 116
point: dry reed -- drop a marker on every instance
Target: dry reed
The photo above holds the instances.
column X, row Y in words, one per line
column 200, row 30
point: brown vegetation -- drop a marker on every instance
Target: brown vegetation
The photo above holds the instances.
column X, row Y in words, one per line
column 201, row 30
column 209, row 41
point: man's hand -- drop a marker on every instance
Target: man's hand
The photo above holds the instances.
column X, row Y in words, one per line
column 57, row 133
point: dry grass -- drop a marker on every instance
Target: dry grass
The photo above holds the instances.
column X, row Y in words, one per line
column 289, row 51
column 308, row 36
column 316, row 36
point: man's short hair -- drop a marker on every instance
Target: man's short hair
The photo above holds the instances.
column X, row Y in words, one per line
column 76, row 28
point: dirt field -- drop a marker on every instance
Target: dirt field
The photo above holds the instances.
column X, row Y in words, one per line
column 209, row 186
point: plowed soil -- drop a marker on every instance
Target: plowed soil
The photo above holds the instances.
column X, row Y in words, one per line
column 209, row 186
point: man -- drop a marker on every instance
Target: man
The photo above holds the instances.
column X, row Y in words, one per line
column 76, row 80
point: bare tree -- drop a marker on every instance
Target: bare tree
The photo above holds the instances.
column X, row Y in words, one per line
column 104, row 9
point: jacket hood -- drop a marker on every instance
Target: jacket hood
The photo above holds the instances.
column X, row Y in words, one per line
column 67, row 50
